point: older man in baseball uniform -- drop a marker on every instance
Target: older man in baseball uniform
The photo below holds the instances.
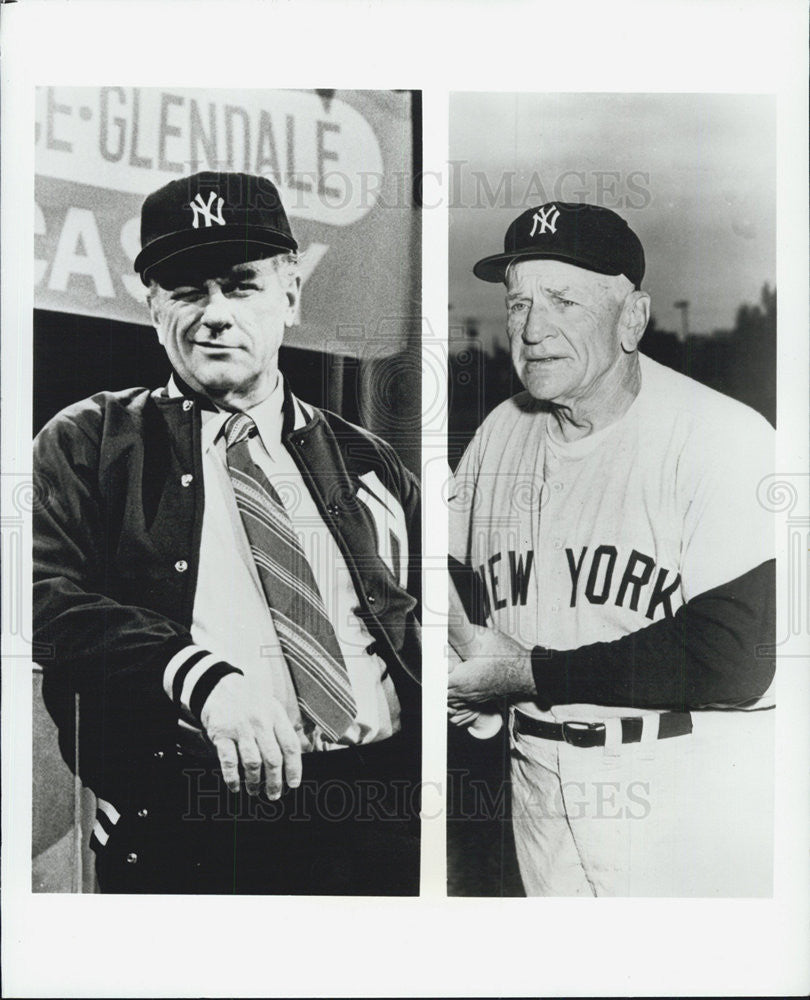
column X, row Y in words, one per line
column 610, row 515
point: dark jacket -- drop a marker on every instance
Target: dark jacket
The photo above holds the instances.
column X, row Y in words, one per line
column 116, row 548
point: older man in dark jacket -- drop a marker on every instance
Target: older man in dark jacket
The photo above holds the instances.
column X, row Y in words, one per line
column 227, row 578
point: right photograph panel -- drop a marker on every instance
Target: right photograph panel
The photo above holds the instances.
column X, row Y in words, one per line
column 612, row 395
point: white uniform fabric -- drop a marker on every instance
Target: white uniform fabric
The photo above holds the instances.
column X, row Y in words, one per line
column 589, row 541
column 690, row 816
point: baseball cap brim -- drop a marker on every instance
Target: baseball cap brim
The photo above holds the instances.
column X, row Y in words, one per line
column 493, row 268
column 185, row 244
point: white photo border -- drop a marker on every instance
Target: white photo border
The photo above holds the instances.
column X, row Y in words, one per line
column 299, row 946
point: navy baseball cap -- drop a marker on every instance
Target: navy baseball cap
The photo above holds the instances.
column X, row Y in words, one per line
column 585, row 235
column 239, row 213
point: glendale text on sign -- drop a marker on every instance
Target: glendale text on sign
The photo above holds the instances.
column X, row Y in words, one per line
column 335, row 159
column 135, row 140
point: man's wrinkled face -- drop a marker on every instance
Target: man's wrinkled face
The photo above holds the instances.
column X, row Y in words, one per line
column 222, row 331
column 563, row 326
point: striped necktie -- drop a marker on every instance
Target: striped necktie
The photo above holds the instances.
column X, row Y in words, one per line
column 296, row 606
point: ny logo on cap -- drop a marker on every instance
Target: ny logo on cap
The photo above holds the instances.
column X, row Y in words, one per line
column 546, row 218
column 205, row 211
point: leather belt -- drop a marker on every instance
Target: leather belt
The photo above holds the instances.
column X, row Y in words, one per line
column 194, row 743
column 592, row 734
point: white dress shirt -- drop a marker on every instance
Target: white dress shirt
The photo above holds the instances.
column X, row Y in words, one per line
column 230, row 615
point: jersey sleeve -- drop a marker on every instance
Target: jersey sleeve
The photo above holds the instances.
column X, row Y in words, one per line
column 717, row 649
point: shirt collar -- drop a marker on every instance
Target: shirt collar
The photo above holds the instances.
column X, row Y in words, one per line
column 268, row 415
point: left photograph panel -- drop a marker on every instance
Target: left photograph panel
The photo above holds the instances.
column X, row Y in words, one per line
column 226, row 591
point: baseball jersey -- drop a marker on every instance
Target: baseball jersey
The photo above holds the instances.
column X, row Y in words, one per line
column 585, row 542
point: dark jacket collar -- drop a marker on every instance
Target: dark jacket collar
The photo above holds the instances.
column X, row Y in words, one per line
column 295, row 415
column 202, row 401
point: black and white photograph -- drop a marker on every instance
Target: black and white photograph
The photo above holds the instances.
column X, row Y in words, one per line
column 612, row 406
column 404, row 479
column 226, row 466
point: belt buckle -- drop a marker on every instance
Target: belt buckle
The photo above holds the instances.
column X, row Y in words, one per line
column 580, row 734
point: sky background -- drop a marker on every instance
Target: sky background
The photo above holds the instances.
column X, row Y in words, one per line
column 693, row 174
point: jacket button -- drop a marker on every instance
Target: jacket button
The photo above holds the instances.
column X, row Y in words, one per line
column 187, row 404
column 132, row 858
column 143, row 813
column 302, row 442
column 371, row 598
column 158, row 755
column 181, row 565
column 187, row 479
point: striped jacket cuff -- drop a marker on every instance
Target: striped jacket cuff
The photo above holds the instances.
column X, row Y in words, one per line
column 190, row 676
column 106, row 818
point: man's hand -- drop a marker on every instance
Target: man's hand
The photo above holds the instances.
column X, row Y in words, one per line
column 255, row 731
column 497, row 667
column 461, row 717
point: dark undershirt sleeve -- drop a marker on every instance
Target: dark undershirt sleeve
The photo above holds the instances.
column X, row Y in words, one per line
column 717, row 650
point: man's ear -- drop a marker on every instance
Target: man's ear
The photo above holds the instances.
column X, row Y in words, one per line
column 293, row 299
column 154, row 311
column 634, row 319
